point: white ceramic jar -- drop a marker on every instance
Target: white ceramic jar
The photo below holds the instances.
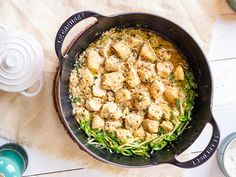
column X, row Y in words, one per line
column 21, row 62
column 226, row 155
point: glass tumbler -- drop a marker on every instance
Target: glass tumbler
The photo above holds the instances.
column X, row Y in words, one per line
column 13, row 160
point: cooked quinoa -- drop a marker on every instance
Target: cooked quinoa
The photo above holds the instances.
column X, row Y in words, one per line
column 132, row 91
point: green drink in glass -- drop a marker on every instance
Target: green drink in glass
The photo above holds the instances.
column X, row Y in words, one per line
column 13, row 160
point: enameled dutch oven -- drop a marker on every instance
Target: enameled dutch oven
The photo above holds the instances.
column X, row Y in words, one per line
column 201, row 114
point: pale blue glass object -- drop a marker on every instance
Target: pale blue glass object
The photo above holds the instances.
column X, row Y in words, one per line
column 13, row 160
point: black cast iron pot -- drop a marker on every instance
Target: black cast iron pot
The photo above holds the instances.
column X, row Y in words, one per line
column 201, row 114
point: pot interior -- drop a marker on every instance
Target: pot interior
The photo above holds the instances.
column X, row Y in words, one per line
column 184, row 43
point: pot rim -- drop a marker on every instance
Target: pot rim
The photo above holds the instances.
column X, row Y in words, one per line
column 71, row 133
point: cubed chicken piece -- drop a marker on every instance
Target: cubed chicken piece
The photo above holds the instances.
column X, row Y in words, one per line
column 105, row 49
column 164, row 54
column 167, row 126
column 98, row 91
column 154, row 112
column 129, row 104
column 94, row 60
column 156, row 89
column 111, row 64
column 122, row 49
column 146, row 72
column 113, row 81
column 164, row 69
column 142, row 100
column 171, row 94
column 98, row 122
column 151, row 125
column 139, row 133
column 123, row 135
column 93, row 104
column 86, row 77
column 112, row 126
column 149, row 136
column 179, row 73
column 81, row 113
column 132, row 78
column 135, row 43
column 122, row 95
column 147, row 53
column 133, row 121
column 110, row 110
column 166, row 111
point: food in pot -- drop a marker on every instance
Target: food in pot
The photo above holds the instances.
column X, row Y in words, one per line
column 132, row 91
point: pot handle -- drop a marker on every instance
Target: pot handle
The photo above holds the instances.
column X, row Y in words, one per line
column 206, row 153
column 67, row 26
column 39, row 88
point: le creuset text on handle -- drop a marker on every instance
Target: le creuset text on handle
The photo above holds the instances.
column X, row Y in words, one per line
column 206, row 153
column 67, row 26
